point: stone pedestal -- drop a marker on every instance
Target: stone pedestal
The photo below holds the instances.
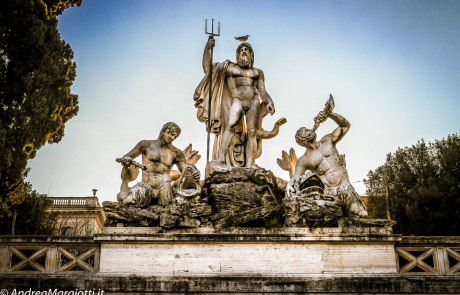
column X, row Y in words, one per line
column 248, row 251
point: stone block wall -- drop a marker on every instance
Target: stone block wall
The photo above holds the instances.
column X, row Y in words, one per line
column 234, row 260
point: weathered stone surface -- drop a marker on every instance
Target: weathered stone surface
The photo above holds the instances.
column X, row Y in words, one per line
column 117, row 213
column 164, row 216
column 174, row 210
column 312, row 210
column 216, row 173
column 156, row 209
column 205, row 223
column 360, row 226
column 168, row 220
column 147, row 214
column 281, row 183
column 221, row 214
column 310, row 234
column 247, row 216
column 183, row 199
column 200, row 210
column 450, row 240
column 235, row 196
column 244, row 252
column 112, row 215
column 361, row 222
column 188, row 222
column 241, row 195
column 131, row 230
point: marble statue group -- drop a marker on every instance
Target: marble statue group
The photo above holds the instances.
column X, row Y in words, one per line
column 235, row 190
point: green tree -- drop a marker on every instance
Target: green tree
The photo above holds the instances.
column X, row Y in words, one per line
column 36, row 73
column 32, row 217
column 423, row 187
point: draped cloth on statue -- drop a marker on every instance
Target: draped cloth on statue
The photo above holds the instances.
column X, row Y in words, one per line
column 221, row 101
column 220, row 107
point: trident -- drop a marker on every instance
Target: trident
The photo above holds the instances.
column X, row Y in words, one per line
column 210, row 81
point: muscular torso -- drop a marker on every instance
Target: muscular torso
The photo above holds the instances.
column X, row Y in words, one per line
column 326, row 162
column 242, row 82
column 159, row 162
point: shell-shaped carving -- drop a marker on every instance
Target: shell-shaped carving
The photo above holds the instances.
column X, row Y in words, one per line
column 191, row 157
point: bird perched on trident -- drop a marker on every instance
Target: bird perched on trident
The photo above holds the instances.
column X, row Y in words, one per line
column 242, row 38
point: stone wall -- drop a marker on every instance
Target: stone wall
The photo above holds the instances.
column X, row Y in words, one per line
column 243, row 251
column 241, row 260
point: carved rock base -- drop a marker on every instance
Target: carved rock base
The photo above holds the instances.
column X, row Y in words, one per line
column 314, row 210
column 243, row 196
column 361, row 222
column 185, row 215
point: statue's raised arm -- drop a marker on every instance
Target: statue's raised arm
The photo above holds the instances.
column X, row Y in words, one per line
column 340, row 131
column 207, row 53
column 336, row 135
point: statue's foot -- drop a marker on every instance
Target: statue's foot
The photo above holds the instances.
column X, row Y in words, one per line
column 358, row 211
column 363, row 214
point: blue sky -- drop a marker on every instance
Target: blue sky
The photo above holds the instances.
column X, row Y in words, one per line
column 393, row 68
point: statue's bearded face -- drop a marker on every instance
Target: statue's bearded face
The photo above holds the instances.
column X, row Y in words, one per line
column 245, row 57
column 305, row 136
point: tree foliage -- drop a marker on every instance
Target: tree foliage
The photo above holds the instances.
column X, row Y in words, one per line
column 32, row 215
column 423, row 186
column 36, row 73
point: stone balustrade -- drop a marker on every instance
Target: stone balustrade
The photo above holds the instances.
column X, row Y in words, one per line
column 74, row 201
column 428, row 256
column 49, row 255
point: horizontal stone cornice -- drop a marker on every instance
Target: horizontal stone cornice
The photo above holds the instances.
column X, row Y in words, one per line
column 46, row 239
column 107, row 238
